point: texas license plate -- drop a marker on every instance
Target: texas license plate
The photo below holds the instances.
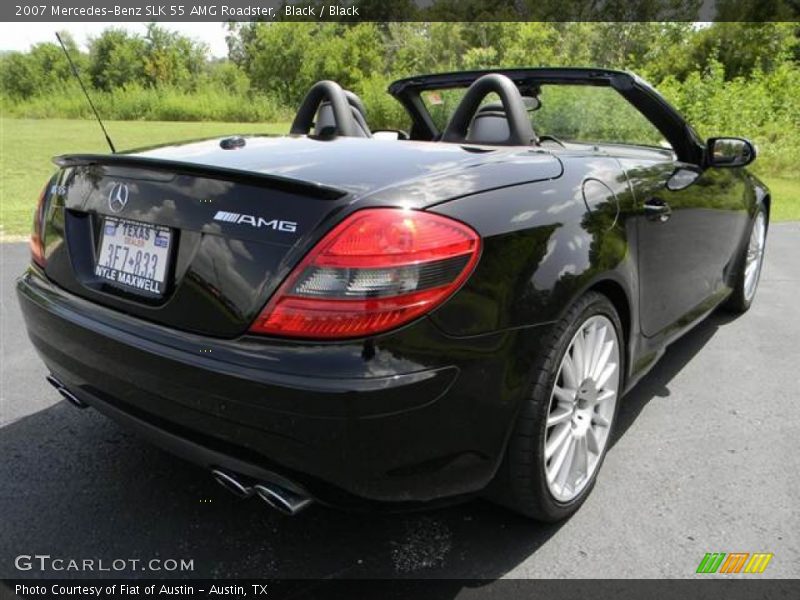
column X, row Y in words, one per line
column 134, row 255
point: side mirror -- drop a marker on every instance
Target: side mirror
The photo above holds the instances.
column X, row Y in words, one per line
column 730, row 152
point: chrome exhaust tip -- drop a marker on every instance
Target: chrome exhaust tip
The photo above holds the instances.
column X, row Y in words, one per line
column 231, row 483
column 285, row 501
column 52, row 380
column 65, row 393
column 72, row 398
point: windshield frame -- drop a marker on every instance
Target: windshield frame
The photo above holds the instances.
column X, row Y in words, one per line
column 644, row 98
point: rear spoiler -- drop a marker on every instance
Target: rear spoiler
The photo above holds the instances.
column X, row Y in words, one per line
column 286, row 184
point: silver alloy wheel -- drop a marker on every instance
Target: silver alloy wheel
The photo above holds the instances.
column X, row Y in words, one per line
column 755, row 256
column 581, row 408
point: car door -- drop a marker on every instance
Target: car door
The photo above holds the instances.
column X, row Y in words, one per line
column 689, row 223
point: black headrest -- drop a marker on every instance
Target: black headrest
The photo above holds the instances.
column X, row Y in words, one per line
column 531, row 103
column 489, row 127
column 520, row 131
column 325, row 123
column 356, row 102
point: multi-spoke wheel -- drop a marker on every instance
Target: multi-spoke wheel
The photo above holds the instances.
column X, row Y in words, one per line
column 582, row 407
column 563, row 430
column 755, row 255
column 744, row 289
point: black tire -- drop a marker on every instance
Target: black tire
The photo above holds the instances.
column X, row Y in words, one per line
column 738, row 302
column 520, row 483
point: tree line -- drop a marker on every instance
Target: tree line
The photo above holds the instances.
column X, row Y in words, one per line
column 741, row 76
column 284, row 59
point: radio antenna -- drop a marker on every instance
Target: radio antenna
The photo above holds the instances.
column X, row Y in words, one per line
column 83, row 87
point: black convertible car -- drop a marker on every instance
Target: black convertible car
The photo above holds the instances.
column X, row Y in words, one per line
column 395, row 318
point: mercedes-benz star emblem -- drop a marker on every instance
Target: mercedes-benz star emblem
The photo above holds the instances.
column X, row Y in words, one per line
column 118, row 197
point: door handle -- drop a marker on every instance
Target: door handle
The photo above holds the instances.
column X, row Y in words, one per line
column 656, row 209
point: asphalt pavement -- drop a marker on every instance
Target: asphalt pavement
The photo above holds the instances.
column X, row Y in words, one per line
column 706, row 459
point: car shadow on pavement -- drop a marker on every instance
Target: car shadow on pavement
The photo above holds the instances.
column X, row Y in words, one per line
column 76, row 486
column 656, row 383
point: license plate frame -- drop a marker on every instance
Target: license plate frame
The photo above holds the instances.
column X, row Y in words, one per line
column 134, row 256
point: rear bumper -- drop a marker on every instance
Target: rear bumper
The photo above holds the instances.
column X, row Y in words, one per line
column 406, row 418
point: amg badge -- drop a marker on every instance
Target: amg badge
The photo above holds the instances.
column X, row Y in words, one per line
column 253, row 221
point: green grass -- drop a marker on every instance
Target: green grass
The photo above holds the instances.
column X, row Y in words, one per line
column 785, row 198
column 27, row 145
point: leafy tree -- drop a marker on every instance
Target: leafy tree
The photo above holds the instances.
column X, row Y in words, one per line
column 172, row 59
column 480, row 58
column 534, row 44
column 116, row 59
column 226, row 75
column 743, row 48
column 17, row 76
column 43, row 68
column 282, row 73
column 309, row 52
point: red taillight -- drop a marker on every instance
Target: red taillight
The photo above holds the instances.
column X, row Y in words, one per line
column 376, row 270
column 37, row 237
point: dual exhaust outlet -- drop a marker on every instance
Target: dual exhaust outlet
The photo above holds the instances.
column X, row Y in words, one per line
column 286, row 501
column 65, row 393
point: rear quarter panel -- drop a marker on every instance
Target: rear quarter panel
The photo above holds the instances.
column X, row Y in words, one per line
column 545, row 243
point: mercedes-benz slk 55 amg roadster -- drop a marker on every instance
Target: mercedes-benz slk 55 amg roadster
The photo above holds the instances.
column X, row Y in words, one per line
column 396, row 318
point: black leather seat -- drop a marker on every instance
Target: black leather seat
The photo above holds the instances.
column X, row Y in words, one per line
column 470, row 122
column 325, row 123
column 490, row 124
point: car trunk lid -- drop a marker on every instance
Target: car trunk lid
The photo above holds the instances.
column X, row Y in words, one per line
column 227, row 239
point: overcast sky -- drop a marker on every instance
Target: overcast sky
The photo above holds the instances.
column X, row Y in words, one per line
column 20, row 36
